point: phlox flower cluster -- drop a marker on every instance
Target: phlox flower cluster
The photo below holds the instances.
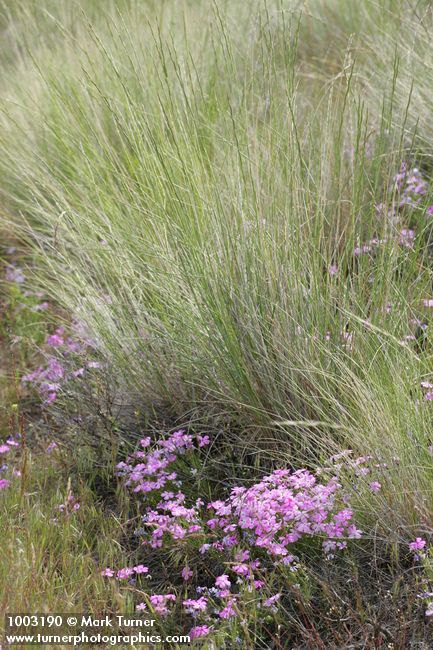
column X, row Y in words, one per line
column 249, row 532
column 70, row 504
column 125, row 573
column 410, row 186
column 48, row 379
column 272, row 514
column 409, row 191
column 418, row 548
column 14, row 274
column 8, row 469
column 281, row 509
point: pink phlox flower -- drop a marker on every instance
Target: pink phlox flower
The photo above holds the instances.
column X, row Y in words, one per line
column 187, row 573
column 407, row 237
column 204, row 548
column 159, row 603
column 223, row 582
column 228, row 611
column 124, row 574
column 199, row 605
column 242, row 556
column 241, row 569
column 353, row 532
column 107, row 573
column 418, row 544
column 140, row 568
column 199, row 631
column 55, row 340
column 269, row 602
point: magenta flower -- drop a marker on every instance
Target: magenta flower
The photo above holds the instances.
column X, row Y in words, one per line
column 242, row 556
column 267, row 518
column 124, row 574
column 204, row 548
column 360, row 250
column 418, row 544
column 107, row 573
column 198, row 605
column 375, row 486
column 269, row 602
column 141, row 607
column 241, row 569
column 353, row 532
column 42, row 306
column 407, row 237
column 159, row 603
column 187, row 573
column 199, row 631
column 140, row 568
column 4, row 483
column 223, row 582
column 4, row 449
column 55, row 340
column 228, row 611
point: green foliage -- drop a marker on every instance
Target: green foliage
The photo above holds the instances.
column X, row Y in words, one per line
column 48, row 561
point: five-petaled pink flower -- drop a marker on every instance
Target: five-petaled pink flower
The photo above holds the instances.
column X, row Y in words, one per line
column 140, row 568
column 375, row 486
column 107, row 573
column 418, row 544
column 223, row 582
column 187, row 573
column 199, row 631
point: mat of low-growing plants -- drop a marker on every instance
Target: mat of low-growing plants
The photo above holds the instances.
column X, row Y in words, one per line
column 216, row 361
